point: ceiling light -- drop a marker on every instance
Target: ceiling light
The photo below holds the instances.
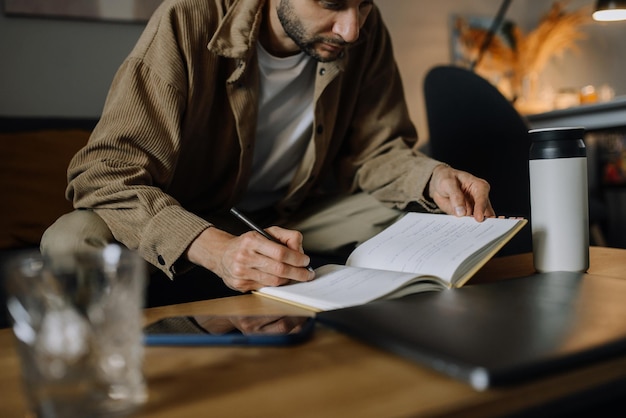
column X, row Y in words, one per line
column 610, row 10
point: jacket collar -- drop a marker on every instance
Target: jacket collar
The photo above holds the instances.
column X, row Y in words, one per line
column 239, row 29
column 238, row 32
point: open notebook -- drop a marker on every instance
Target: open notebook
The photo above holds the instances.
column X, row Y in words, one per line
column 498, row 333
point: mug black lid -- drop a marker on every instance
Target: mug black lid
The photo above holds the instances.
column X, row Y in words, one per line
column 556, row 134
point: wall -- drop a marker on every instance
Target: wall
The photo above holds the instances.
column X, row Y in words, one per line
column 53, row 67
column 64, row 67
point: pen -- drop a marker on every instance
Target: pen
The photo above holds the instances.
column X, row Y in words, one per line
column 258, row 229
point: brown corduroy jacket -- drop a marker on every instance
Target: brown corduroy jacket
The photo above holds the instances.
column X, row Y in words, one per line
column 175, row 140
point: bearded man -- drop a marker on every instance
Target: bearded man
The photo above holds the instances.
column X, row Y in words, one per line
column 291, row 110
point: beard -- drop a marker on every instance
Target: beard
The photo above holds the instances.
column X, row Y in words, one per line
column 294, row 28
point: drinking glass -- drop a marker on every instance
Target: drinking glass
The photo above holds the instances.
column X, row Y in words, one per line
column 78, row 322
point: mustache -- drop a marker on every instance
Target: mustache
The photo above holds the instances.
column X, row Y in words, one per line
column 332, row 41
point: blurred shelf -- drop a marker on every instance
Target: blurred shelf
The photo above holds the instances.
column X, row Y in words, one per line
column 593, row 116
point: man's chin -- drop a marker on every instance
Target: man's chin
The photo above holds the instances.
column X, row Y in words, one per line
column 323, row 55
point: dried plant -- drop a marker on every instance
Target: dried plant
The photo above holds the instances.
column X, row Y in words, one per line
column 557, row 32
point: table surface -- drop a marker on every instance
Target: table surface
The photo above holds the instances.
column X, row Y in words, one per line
column 330, row 375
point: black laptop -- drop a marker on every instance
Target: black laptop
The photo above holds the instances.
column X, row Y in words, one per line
column 498, row 333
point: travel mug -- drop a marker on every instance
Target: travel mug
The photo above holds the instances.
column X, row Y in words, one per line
column 559, row 199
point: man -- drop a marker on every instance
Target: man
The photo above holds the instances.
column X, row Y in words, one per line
column 292, row 110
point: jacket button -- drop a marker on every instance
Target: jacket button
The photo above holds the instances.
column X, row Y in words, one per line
column 322, row 71
column 161, row 260
column 319, row 129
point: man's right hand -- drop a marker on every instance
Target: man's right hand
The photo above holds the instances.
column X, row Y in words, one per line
column 251, row 261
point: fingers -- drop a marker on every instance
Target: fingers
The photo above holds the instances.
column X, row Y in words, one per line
column 474, row 192
column 460, row 193
column 483, row 209
column 267, row 324
column 292, row 239
column 253, row 261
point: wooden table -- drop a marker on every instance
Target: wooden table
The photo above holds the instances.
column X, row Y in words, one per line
column 328, row 376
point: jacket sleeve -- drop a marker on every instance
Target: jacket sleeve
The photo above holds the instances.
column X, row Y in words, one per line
column 383, row 139
column 124, row 171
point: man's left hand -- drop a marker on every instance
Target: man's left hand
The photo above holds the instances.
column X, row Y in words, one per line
column 459, row 193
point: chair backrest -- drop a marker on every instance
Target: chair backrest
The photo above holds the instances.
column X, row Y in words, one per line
column 473, row 127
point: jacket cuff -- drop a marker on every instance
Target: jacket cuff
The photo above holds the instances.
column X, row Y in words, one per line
column 167, row 236
column 418, row 183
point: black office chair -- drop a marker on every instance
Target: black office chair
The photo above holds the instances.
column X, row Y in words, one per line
column 473, row 127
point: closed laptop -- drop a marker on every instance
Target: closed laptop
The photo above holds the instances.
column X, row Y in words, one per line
column 498, row 333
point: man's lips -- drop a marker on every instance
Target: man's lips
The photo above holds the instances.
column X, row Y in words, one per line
column 332, row 47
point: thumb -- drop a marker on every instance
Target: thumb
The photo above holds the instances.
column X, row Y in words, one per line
column 457, row 202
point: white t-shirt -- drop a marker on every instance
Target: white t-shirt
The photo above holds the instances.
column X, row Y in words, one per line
column 284, row 125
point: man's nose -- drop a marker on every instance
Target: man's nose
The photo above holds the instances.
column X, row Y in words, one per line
column 348, row 25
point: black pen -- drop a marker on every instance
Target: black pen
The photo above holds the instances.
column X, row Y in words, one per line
column 243, row 218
